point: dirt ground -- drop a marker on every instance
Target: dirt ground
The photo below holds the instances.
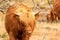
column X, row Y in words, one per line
column 42, row 31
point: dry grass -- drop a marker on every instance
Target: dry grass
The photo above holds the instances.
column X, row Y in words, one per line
column 46, row 31
column 42, row 31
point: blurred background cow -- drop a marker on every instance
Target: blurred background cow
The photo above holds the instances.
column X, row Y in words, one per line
column 54, row 12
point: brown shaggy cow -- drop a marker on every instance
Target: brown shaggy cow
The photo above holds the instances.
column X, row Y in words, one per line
column 51, row 16
column 19, row 22
column 56, row 8
column 55, row 12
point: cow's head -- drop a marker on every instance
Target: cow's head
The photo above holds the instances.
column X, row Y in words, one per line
column 21, row 10
column 24, row 14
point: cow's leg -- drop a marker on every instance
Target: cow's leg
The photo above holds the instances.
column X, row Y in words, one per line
column 12, row 36
column 57, row 18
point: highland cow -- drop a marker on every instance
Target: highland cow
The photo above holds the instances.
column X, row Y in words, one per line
column 19, row 22
column 55, row 11
column 56, row 8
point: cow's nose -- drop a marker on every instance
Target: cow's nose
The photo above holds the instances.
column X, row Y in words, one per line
column 28, row 30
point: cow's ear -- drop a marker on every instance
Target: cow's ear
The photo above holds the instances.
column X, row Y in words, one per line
column 37, row 15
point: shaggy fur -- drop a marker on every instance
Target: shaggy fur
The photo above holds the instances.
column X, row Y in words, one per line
column 19, row 22
column 56, row 8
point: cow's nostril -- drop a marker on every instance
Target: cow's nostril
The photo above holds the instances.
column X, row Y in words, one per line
column 28, row 32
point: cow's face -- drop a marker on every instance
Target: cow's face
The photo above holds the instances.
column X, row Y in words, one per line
column 20, row 21
column 25, row 16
